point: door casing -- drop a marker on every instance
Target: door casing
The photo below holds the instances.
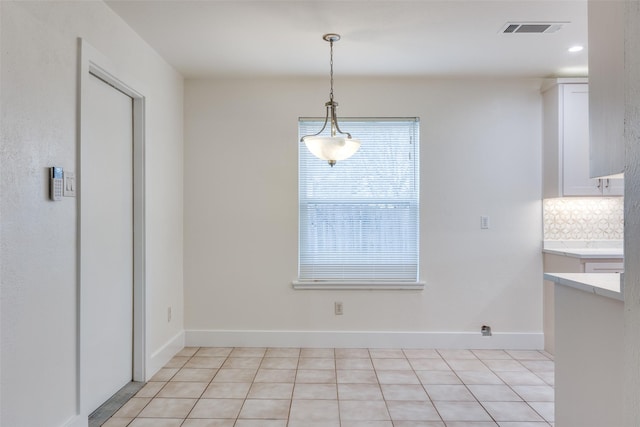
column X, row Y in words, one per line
column 92, row 62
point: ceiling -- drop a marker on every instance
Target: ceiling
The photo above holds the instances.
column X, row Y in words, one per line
column 204, row 38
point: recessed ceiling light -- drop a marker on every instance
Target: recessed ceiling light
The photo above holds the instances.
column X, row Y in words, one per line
column 575, row 48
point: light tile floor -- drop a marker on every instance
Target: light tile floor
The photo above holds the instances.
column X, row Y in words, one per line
column 286, row 387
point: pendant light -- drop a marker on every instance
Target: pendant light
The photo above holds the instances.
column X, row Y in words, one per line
column 339, row 145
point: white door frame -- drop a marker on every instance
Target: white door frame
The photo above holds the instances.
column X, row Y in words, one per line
column 93, row 63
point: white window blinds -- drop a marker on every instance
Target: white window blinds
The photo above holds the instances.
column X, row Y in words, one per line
column 359, row 220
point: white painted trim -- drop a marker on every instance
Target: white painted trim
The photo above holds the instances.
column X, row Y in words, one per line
column 160, row 358
column 93, row 62
column 549, row 83
column 350, row 286
column 77, row 421
column 365, row 339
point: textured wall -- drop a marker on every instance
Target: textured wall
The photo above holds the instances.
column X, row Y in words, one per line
column 632, row 214
column 39, row 284
column 480, row 155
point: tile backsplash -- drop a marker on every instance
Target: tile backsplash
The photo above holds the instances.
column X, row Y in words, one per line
column 584, row 218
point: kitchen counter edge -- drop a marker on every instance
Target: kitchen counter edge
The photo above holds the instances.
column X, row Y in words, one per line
column 608, row 285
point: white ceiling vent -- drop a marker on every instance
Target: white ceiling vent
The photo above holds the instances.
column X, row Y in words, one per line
column 532, row 27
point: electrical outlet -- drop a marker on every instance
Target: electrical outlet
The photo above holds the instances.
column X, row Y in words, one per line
column 169, row 314
column 484, row 222
column 338, row 308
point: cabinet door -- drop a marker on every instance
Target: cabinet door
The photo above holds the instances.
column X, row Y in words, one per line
column 607, row 92
column 551, row 142
column 575, row 147
column 613, row 187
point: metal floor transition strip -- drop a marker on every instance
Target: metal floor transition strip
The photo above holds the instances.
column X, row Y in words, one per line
column 115, row 402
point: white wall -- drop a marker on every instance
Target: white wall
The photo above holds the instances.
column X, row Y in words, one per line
column 481, row 155
column 583, row 319
column 38, row 250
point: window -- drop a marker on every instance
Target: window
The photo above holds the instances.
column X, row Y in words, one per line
column 359, row 220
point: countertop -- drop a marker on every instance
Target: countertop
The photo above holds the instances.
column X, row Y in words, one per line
column 603, row 284
column 585, row 250
column 588, row 253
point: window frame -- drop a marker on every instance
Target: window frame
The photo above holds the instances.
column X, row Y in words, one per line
column 364, row 283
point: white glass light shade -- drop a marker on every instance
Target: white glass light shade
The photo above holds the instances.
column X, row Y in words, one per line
column 332, row 148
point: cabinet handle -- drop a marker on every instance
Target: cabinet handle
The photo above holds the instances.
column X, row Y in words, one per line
column 599, row 184
column 607, row 184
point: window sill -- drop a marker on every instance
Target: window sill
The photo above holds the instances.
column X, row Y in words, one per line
column 350, row 286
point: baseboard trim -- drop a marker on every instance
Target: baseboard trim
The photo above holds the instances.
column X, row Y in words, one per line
column 366, row 339
column 77, row 421
column 161, row 356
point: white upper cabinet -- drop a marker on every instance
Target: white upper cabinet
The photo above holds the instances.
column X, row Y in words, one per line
column 575, row 143
column 606, row 86
column 566, row 143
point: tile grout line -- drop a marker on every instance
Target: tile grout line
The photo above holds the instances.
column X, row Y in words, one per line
column 496, row 374
column 335, row 366
column 205, row 388
column 510, row 386
column 293, row 390
column 183, row 366
column 467, row 385
column 386, row 404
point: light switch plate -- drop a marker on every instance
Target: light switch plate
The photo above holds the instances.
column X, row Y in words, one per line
column 69, row 185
